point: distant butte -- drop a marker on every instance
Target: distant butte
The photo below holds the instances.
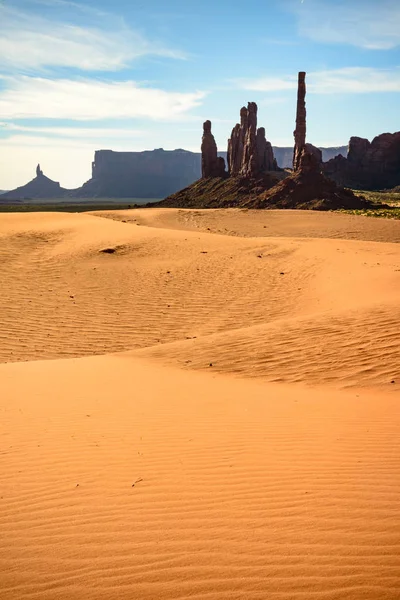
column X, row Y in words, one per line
column 41, row 187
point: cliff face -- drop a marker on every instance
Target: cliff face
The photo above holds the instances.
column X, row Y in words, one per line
column 369, row 165
column 39, row 187
column 146, row 174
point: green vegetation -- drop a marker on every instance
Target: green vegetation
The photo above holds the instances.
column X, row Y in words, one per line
column 391, row 199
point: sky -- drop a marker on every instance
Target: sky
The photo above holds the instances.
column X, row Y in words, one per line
column 79, row 76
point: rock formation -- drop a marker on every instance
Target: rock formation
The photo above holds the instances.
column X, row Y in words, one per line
column 300, row 131
column 369, row 165
column 315, row 151
column 212, row 165
column 307, row 188
column 252, row 185
column 236, row 144
column 249, row 153
column 39, row 187
column 148, row 174
column 265, row 154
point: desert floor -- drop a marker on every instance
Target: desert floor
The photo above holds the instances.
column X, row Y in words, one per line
column 199, row 404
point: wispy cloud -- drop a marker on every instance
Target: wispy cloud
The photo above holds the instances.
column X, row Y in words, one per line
column 349, row 80
column 363, row 23
column 82, row 133
column 30, row 42
column 34, row 97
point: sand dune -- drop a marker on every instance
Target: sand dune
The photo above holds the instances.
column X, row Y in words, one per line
column 244, row 490
column 212, row 450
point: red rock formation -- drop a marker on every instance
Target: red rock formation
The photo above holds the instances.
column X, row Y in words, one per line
column 249, row 153
column 300, row 131
column 369, row 165
column 307, row 188
column 316, row 152
column 211, row 164
column 265, row 154
column 250, row 159
column 236, row 144
column 357, row 150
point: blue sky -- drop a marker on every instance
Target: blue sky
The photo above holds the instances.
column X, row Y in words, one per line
column 143, row 74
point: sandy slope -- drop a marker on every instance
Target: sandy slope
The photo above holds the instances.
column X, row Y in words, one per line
column 290, row 309
column 245, row 488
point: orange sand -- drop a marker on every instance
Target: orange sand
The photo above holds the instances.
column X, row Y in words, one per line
column 273, row 473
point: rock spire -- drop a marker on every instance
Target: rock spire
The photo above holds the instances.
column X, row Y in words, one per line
column 249, row 153
column 300, row 131
column 211, row 164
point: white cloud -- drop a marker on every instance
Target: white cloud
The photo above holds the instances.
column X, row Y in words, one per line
column 82, row 133
column 363, row 23
column 29, row 42
column 34, row 97
column 349, row 80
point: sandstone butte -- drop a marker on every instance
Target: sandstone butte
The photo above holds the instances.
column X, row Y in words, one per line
column 39, row 187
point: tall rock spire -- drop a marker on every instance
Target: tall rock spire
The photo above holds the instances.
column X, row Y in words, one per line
column 300, row 131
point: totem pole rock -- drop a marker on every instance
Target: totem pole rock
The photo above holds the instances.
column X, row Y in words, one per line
column 300, row 131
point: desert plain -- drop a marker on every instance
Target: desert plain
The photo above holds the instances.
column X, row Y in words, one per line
column 199, row 404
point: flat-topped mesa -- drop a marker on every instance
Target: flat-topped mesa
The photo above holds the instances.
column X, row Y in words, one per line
column 249, row 153
column 300, row 131
column 211, row 164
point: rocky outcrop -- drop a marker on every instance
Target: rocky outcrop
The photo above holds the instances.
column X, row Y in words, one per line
column 236, row 144
column 308, row 188
column 251, row 183
column 300, row 131
column 41, row 187
column 212, row 165
column 218, row 192
column 249, row 153
column 265, row 153
column 369, row 165
column 315, row 151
